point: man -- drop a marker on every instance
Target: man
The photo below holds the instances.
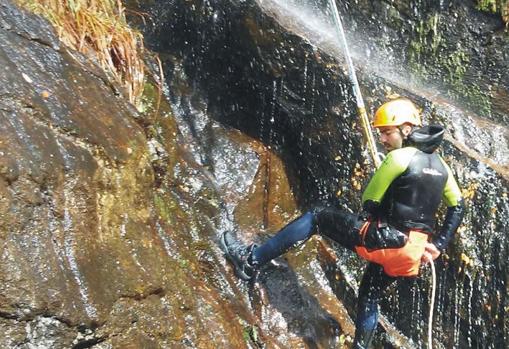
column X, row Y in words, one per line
column 395, row 230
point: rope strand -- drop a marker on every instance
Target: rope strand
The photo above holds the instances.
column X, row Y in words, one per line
column 432, row 304
column 361, row 109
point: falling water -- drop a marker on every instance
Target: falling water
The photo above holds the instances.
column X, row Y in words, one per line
column 310, row 20
column 167, row 243
column 53, row 226
column 305, row 77
column 313, row 89
column 266, row 127
column 469, row 309
column 458, row 296
column 315, row 18
column 70, row 244
column 69, row 247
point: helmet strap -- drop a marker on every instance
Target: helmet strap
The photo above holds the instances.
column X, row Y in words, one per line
column 400, row 129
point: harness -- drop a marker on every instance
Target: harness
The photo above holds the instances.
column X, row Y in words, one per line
column 396, row 261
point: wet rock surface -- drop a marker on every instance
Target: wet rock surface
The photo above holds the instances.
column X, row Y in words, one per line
column 457, row 48
column 70, row 147
column 110, row 218
column 270, row 75
column 107, row 228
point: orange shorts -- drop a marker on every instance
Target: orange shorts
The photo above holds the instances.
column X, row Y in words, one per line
column 403, row 261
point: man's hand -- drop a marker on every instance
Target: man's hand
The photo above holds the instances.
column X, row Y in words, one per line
column 430, row 253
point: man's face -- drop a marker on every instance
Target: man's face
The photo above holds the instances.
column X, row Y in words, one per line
column 391, row 137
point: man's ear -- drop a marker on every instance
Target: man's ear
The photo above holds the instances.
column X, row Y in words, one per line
column 406, row 129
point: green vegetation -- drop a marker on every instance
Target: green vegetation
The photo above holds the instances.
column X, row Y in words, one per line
column 429, row 57
column 250, row 333
column 495, row 6
column 427, row 42
column 488, row 5
column 98, row 28
column 455, row 64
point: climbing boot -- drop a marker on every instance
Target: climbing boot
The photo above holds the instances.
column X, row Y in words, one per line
column 240, row 255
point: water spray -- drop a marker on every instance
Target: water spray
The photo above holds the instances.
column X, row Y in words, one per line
column 361, row 109
column 370, row 140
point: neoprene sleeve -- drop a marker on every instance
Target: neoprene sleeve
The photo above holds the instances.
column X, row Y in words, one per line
column 452, row 220
column 455, row 211
column 452, row 192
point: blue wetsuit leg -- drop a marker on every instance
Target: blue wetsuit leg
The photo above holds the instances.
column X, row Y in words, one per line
column 295, row 233
column 334, row 223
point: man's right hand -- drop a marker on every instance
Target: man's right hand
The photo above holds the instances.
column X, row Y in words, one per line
column 430, row 253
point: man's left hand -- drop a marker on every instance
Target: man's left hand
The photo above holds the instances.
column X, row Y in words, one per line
column 430, row 253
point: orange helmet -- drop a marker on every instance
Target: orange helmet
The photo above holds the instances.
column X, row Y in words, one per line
column 397, row 112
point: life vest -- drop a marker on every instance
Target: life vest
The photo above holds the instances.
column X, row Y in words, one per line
column 402, row 261
column 423, row 181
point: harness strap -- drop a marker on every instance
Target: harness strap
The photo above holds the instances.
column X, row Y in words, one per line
column 403, row 261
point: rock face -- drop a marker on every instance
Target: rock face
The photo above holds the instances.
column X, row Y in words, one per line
column 89, row 249
column 110, row 218
column 267, row 69
column 451, row 46
column 71, row 249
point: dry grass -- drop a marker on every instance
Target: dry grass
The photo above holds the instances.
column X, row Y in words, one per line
column 99, row 28
column 505, row 13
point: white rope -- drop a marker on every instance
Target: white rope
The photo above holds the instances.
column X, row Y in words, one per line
column 361, row 109
column 432, row 304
